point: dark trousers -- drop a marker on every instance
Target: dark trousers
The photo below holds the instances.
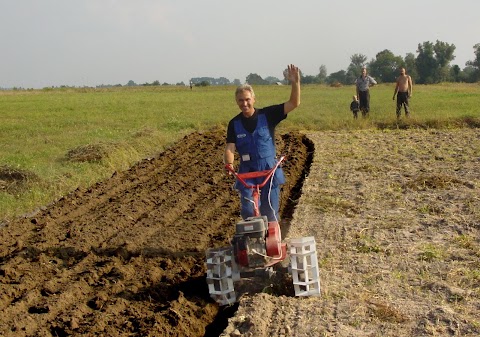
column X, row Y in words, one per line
column 402, row 99
column 364, row 98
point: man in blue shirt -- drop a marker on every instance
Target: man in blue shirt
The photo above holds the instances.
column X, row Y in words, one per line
column 252, row 134
column 363, row 83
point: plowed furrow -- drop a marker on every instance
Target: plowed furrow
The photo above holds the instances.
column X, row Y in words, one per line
column 126, row 256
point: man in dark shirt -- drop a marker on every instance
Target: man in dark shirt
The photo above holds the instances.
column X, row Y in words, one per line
column 252, row 134
column 363, row 84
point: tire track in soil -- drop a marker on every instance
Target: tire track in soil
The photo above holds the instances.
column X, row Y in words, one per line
column 126, row 256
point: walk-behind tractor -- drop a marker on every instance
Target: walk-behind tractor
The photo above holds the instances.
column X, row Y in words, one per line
column 257, row 246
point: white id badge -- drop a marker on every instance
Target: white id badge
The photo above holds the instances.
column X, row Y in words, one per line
column 245, row 157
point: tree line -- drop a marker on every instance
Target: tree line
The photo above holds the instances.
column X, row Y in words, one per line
column 432, row 64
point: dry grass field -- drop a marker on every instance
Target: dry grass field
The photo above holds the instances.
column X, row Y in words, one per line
column 396, row 218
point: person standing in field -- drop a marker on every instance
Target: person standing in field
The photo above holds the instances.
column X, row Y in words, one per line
column 252, row 134
column 403, row 90
column 363, row 84
column 355, row 106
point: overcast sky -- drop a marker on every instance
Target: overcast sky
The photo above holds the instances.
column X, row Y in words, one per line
column 93, row 42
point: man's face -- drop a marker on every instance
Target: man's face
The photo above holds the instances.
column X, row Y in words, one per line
column 402, row 71
column 364, row 71
column 245, row 102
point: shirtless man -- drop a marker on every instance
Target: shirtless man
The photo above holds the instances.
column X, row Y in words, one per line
column 404, row 89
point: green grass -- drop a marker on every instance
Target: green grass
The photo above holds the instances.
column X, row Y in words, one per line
column 430, row 252
column 39, row 127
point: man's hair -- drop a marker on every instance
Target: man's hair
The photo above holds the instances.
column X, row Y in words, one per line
column 244, row 87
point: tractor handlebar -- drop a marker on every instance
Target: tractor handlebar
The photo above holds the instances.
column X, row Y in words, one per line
column 242, row 177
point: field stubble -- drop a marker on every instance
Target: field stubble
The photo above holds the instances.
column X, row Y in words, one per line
column 396, row 218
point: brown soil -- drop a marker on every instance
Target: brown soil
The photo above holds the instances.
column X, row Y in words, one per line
column 126, row 256
column 395, row 214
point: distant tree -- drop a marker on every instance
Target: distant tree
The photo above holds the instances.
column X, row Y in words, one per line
column 255, row 79
column 339, row 76
column 469, row 74
column 156, row 82
column 198, row 80
column 222, row 81
column 322, row 74
column 131, row 83
column 433, row 61
column 180, row 84
column 410, row 66
column 272, row 79
column 385, row 67
column 210, row 80
column 475, row 64
column 426, row 63
column 237, row 82
column 443, row 55
column 285, row 76
column 357, row 61
column 309, row 79
column 455, row 72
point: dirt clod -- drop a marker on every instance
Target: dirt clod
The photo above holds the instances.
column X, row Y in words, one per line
column 14, row 180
